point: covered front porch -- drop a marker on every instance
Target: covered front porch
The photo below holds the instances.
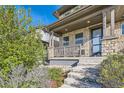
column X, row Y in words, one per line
column 96, row 26
column 90, row 46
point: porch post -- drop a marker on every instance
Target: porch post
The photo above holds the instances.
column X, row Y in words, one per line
column 104, row 23
column 112, row 22
column 52, row 39
column 51, row 46
column 49, row 39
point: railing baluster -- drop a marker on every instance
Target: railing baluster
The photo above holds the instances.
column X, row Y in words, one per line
column 64, row 52
column 73, row 53
column 70, row 51
column 80, row 49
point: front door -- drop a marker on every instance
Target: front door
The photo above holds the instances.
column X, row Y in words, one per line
column 96, row 41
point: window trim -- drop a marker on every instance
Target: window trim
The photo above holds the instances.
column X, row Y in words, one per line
column 82, row 37
column 67, row 41
column 122, row 29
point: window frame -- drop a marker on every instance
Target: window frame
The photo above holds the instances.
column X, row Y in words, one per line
column 82, row 38
column 122, row 33
column 64, row 44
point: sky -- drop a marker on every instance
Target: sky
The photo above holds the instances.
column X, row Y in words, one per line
column 42, row 14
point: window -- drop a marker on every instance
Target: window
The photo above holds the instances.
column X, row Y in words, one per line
column 79, row 38
column 66, row 41
column 122, row 27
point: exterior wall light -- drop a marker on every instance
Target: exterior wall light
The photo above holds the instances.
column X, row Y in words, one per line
column 88, row 22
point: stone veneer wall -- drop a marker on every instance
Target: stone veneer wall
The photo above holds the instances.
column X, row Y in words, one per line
column 113, row 45
column 86, row 35
column 109, row 46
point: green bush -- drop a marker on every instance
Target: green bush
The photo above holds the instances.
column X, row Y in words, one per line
column 19, row 42
column 112, row 71
column 56, row 74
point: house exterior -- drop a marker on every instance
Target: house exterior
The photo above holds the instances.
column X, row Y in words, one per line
column 45, row 36
column 87, row 31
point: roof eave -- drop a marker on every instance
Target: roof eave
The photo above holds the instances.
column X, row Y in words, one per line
column 62, row 9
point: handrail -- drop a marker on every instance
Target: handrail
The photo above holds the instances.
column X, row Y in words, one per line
column 68, row 46
column 68, row 51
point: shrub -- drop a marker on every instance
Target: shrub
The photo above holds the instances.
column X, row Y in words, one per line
column 56, row 74
column 112, row 71
column 19, row 77
column 19, row 43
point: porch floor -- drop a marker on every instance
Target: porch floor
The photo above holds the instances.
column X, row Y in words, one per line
column 81, row 60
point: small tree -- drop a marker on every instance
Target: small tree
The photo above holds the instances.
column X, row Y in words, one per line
column 19, row 43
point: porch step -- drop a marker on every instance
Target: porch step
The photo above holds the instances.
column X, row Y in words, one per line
column 83, row 76
column 72, row 82
column 76, row 76
column 81, row 69
column 84, row 83
column 88, row 65
column 79, row 75
column 66, row 86
column 90, row 60
column 64, row 62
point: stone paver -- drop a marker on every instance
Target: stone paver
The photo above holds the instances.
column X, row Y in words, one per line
column 83, row 76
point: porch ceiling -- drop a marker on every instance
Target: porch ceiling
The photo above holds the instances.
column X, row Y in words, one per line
column 79, row 24
column 93, row 18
